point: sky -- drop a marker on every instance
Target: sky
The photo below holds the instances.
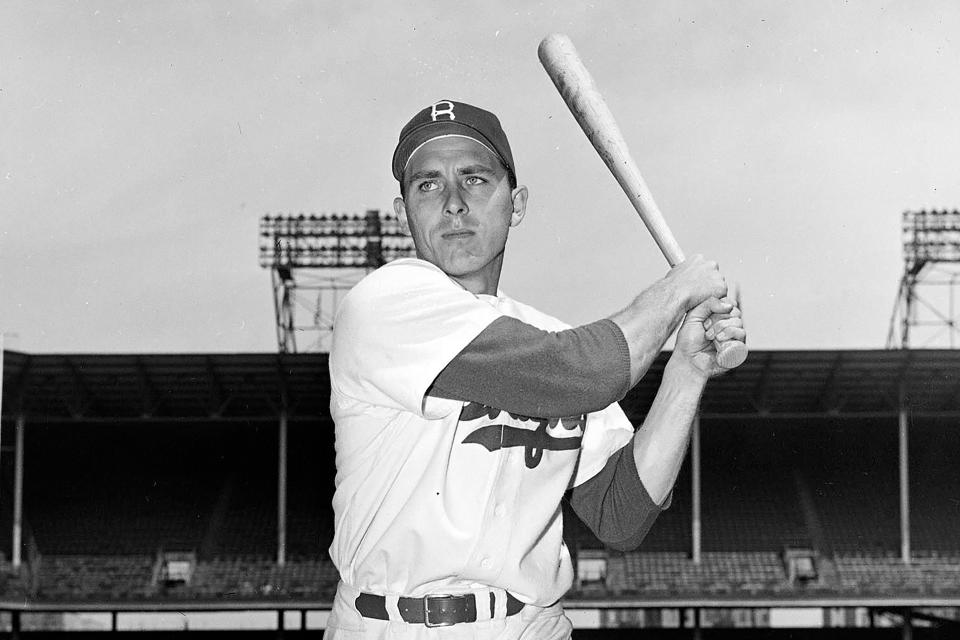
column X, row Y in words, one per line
column 141, row 142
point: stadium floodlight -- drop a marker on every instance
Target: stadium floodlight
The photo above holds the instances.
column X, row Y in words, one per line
column 925, row 313
column 334, row 241
column 930, row 236
column 315, row 259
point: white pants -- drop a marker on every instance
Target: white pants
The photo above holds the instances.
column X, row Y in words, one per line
column 531, row 623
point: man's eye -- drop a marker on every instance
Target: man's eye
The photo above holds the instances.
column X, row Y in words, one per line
column 427, row 186
column 475, row 180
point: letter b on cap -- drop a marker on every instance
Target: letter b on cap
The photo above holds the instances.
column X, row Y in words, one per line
column 442, row 108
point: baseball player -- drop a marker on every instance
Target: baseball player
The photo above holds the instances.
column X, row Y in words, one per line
column 463, row 417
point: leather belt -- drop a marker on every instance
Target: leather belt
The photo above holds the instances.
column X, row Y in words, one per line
column 432, row 611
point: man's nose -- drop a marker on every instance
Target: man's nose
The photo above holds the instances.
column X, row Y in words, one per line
column 455, row 204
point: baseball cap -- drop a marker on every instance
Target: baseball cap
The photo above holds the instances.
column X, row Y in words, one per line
column 449, row 117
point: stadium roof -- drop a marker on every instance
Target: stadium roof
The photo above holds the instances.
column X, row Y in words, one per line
column 248, row 387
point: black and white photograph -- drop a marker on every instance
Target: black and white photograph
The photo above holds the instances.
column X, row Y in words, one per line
column 501, row 320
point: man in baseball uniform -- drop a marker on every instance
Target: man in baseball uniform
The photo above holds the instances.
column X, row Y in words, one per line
column 463, row 417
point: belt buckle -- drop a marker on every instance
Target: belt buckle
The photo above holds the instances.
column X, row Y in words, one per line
column 426, row 609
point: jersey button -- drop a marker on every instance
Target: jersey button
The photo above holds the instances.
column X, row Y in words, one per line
column 485, row 563
column 500, row 510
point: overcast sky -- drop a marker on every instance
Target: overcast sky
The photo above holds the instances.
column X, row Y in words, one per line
column 140, row 143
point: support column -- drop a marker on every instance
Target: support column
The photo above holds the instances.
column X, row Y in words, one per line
column 1, row 398
column 282, row 487
column 695, row 533
column 18, row 495
column 904, row 481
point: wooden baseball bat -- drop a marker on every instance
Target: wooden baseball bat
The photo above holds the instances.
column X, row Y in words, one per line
column 576, row 86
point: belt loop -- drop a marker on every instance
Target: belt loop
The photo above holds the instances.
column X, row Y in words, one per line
column 484, row 599
column 500, row 608
column 390, row 601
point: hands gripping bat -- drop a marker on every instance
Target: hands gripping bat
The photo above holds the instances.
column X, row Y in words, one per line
column 576, row 86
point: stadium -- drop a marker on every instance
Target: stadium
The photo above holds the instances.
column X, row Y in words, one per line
column 167, row 451
column 192, row 491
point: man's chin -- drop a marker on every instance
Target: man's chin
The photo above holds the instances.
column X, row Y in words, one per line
column 458, row 266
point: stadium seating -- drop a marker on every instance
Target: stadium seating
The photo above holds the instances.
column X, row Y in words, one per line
column 925, row 574
column 102, row 502
column 831, row 487
column 935, row 488
column 751, row 498
column 240, row 578
column 858, row 506
column 672, row 574
column 172, row 514
column 115, row 491
column 92, row 577
column 759, row 573
column 76, row 578
column 644, row 574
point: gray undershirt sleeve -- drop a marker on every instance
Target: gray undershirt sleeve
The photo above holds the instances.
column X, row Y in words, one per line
column 516, row 367
column 615, row 505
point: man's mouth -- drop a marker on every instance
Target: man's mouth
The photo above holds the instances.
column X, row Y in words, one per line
column 459, row 234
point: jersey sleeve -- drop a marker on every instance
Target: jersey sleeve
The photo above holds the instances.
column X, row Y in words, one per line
column 397, row 329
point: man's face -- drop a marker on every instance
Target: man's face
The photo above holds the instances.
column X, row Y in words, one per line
column 459, row 207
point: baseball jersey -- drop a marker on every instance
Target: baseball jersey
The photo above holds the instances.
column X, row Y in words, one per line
column 435, row 495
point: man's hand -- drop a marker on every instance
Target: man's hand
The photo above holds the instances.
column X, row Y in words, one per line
column 648, row 321
column 711, row 319
column 695, row 280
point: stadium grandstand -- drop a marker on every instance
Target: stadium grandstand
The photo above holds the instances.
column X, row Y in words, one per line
column 162, row 491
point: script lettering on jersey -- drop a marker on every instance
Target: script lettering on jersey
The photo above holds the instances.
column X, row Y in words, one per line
column 535, row 441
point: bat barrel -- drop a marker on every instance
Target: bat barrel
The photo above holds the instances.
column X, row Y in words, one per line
column 578, row 90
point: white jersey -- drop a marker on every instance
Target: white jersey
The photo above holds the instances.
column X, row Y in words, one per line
column 436, row 495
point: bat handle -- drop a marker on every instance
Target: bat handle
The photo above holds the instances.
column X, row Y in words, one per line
column 730, row 353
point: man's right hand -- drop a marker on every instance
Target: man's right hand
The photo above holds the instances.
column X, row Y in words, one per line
column 694, row 281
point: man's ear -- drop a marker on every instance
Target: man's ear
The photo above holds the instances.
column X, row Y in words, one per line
column 519, row 196
column 400, row 210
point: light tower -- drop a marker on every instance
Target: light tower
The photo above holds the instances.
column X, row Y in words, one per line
column 925, row 314
column 314, row 260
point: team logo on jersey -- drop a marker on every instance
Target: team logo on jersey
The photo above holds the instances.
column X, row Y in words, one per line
column 550, row 434
column 442, row 108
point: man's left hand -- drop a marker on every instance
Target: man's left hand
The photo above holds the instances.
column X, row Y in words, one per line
column 711, row 320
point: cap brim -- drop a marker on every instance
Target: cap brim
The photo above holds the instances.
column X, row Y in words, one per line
column 427, row 132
